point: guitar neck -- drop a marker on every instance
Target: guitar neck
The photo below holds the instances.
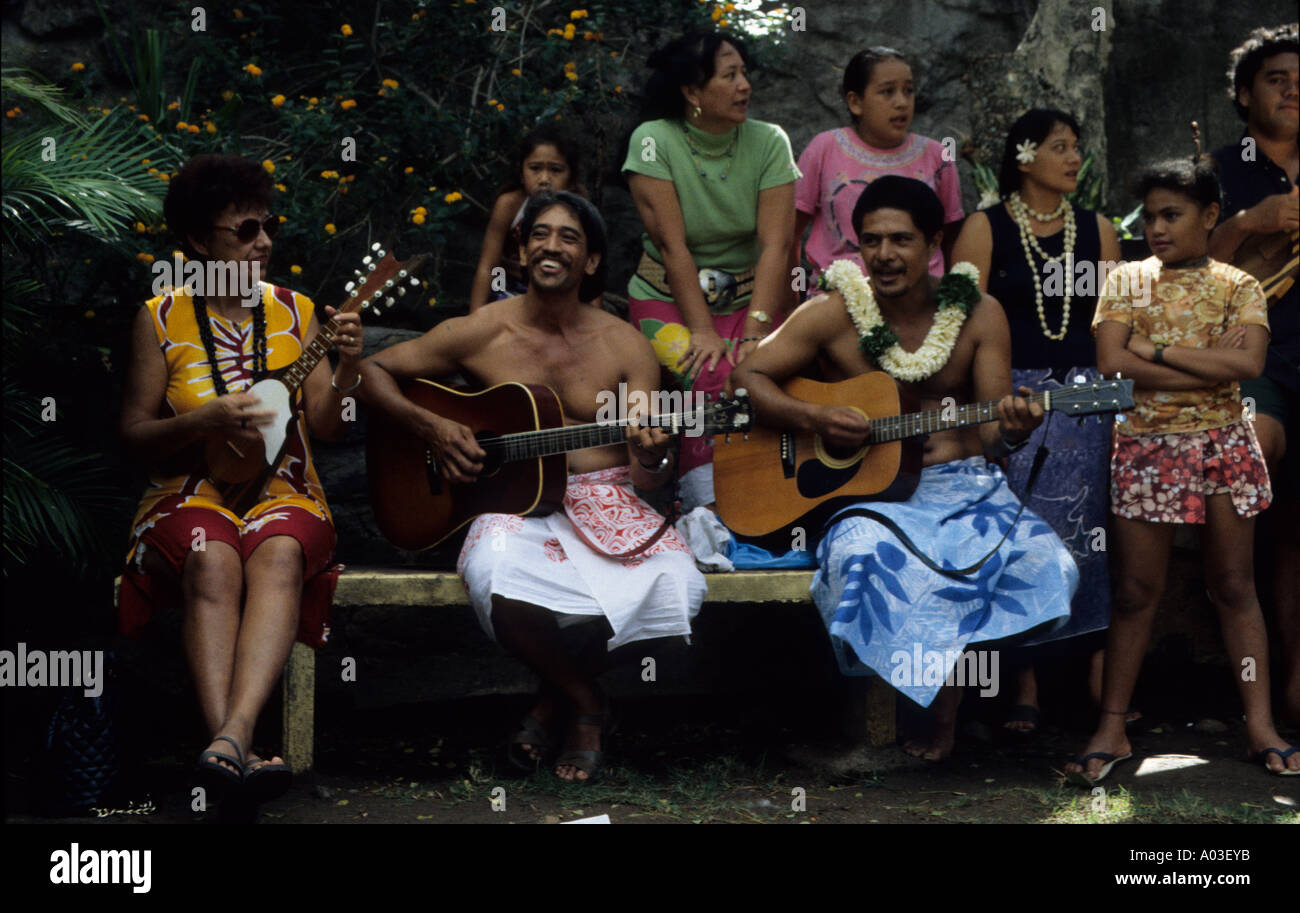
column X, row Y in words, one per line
column 531, row 445
column 898, row 427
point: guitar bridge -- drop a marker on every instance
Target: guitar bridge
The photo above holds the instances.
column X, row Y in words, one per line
column 431, row 472
column 787, row 454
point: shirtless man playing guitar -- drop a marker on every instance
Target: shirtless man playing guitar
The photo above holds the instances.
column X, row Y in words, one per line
column 877, row 599
column 528, row 577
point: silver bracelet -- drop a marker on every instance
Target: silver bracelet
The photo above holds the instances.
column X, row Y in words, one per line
column 334, row 384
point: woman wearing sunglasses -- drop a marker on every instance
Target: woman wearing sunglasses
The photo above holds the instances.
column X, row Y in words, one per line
column 248, row 581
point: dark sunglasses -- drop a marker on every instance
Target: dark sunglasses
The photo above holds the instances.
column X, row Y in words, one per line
column 248, row 229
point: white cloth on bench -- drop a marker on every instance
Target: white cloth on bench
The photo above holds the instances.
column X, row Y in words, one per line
column 541, row 561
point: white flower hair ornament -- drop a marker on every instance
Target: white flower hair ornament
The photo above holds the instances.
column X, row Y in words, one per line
column 1026, row 152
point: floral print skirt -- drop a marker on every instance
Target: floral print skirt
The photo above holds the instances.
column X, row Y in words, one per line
column 1165, row 478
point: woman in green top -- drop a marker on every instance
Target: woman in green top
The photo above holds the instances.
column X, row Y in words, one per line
column 716, row 195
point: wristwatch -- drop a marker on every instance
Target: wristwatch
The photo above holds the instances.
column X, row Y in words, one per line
column 1159, row 356
column 760, row 316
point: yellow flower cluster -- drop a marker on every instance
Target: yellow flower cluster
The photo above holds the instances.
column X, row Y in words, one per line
column 252, row 70
column 269, row 166
column 453, row 196
column 296, row 269
column 329, row 175
column 578, row 14
column 329, row 228
column 346, row 30
column 390, row 83
column 78, row 67
column 187, row 128
column 347, row 104
column 277, row 101
column 419, row 214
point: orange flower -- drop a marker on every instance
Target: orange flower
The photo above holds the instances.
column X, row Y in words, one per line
column 277, row 101
column 252, row 70
column 390, row 83
column 453, row 196
column 210, row 127
column 182, row 126
column 281, row 188
column 144, row 258
column 329, row 228
column 347, row 104
column 269, row 166
column 346, row 30
column 295, row 269
column 193, row 128
column 408, row 169
column 578, row 14
column 78, row 67
column 418, row 218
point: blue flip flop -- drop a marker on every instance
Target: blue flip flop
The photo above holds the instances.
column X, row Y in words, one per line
column 1109, row 761
column 1262, row 757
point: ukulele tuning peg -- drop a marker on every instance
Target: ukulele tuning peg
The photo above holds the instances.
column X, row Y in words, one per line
column 357, row 273
column 742, row 392
column 376, row 246
column 414, row 281
column 402, row 274
column 349, row 287
column 366, row 259
column 388, row 284
column 390, row 301
column 401, row 291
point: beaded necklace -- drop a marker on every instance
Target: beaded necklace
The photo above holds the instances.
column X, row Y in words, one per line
column 1021, row 214
column 210, row 346
column 697, row 154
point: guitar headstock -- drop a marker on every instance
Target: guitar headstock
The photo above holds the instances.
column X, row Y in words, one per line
column 382, row 278
column 1094, row 397
column 729, row 415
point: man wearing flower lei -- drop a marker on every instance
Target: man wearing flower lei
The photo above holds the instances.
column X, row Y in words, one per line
column 946, row 342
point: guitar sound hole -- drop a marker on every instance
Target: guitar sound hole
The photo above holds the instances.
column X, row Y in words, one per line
column 841, row 453
column 492, row 462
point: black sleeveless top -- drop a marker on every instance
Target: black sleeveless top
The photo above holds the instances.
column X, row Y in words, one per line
column 1012, row 284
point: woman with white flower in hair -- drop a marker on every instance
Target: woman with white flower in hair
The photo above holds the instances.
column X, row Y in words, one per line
column 1039, row 255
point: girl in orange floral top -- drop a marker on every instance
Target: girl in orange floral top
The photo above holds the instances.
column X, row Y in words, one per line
column 1186, row 329
column 248, row 579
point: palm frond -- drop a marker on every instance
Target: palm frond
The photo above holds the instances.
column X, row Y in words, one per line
column 96, row 182
column 15, row 81
column 56, row 497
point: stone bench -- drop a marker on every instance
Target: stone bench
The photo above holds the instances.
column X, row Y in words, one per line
column 871, row 716
column 427, row 589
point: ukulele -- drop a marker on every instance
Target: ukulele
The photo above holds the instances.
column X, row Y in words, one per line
column 521, row 428
column 1272, row 259
column 242, row 471
column 771, row 480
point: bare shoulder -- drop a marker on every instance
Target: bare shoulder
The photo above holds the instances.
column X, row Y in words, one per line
column 987, row 317
column 825, row 312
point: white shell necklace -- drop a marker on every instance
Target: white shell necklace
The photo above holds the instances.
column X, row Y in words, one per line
column 1021, row 213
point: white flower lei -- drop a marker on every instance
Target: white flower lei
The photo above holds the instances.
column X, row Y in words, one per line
column 845, row 277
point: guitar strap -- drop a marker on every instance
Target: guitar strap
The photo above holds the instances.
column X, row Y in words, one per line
column 674, row 512
column 1040, row 456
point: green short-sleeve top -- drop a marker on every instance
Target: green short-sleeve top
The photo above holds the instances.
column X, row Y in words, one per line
column 721, row 214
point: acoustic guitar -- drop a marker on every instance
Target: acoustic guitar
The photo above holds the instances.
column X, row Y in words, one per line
column 240, row 471
column 772, row 480
column 1273, row 260
column 521, row 428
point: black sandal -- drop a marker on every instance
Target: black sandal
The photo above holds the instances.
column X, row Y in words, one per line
column 267, row 782
column 215, row 776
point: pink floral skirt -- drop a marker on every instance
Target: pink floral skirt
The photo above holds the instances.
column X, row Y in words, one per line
column 1166, row 478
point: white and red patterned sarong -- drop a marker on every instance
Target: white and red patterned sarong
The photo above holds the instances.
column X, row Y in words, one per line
column 541, row 561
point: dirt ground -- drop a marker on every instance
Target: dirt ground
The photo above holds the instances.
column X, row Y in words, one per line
column 721, row 759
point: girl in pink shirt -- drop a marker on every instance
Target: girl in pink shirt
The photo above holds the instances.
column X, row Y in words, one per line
column 838, row 164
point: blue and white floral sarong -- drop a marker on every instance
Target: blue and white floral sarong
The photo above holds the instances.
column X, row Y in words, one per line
column 878, row 600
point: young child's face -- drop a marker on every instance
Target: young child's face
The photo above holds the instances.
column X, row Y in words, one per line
column 545, row 169
column 1177, row 227
column 885, row 107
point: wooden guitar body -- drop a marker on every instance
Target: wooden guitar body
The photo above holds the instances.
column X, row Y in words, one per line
column 416, row 509
column 1273, row 260
column 771, row 480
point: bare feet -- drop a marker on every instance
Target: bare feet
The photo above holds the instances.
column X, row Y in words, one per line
column 253, row 762
column 936, row 749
